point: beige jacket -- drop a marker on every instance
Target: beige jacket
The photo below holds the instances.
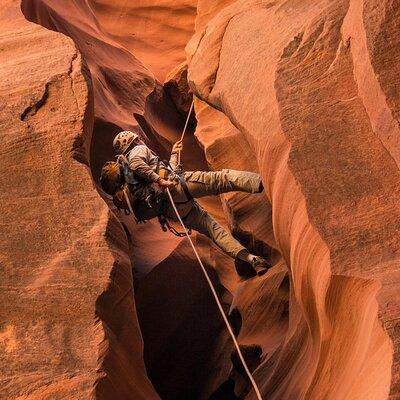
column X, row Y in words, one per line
column 144, row 162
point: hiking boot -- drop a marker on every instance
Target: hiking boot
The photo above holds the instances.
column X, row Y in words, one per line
column 260, row 265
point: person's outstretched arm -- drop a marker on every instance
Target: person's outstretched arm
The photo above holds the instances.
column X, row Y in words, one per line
column 176, row 148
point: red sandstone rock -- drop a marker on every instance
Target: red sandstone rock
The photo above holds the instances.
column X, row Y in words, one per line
column 64, row 267
column 155, row 32
column 149, row 248
column 305, row 93
column 297, row 88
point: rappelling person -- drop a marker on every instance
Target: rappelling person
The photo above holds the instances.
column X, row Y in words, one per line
column 138, row 181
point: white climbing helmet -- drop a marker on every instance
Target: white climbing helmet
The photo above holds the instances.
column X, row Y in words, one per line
column 123, row 140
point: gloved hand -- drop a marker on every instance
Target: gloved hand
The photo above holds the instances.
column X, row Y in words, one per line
column 177, row 147
column 164, row 184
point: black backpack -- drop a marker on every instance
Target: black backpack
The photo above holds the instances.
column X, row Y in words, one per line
column 120, row 182
column 134, row 195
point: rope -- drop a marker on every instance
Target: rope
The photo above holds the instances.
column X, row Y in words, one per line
column 221, row 310
column 128, row 202
column 184, row 129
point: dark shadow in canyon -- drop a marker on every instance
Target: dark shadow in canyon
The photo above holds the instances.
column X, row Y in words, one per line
column 226, row 391
column 183, row 345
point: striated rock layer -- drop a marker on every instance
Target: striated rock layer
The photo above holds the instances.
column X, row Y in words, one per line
column 66, row 290
column 303, row 92
column 310, row 86
column 155, row 32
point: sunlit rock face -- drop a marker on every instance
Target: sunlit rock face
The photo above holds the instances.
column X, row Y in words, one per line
column 64, row 263
column 304, row 92
column 155, row 32
column 311, row 86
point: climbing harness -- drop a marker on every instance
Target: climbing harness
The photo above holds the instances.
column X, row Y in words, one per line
column 164, row 223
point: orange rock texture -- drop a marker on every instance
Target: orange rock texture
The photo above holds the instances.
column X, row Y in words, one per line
column 64, row 264
column 304, row 92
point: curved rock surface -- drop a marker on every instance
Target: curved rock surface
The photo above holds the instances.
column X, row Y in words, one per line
column 67, row 300
column 156, row 32
column 317, row 105
column 303, row 92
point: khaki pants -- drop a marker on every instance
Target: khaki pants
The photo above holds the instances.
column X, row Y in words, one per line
column 202, row 184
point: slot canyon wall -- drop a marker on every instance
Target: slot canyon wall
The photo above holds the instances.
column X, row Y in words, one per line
column 304, row 92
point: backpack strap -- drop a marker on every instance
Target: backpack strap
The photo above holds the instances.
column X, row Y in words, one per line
column 121, row 159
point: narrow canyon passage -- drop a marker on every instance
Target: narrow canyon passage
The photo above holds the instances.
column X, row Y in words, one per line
column 279, row 89
column 186, row 347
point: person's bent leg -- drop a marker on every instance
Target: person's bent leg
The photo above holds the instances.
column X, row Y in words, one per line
column 202, row 222
column 206, row 183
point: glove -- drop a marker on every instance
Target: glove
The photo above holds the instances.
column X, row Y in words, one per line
column 177, row 147
column 164, row 184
